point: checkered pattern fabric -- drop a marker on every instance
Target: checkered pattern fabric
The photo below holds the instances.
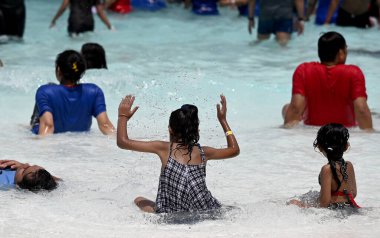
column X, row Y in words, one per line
column 183, row 188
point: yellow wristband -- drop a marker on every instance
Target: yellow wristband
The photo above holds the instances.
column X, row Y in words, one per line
column 229, row 133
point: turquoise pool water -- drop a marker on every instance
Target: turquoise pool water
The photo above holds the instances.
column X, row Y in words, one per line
column 166, row 59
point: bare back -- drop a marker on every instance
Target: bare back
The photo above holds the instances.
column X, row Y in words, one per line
column 182, row 155
column 349, row 185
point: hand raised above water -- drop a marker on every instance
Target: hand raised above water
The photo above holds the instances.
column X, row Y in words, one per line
column 222, row 109
column 125, row 107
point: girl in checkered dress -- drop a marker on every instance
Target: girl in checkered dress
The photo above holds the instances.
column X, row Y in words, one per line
column 182, row 184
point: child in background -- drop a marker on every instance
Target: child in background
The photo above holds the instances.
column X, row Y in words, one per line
column 69, row 105
column 94, row 55
column 182, row 184
column 337, row 178
column 80, row 18
column 33, row 178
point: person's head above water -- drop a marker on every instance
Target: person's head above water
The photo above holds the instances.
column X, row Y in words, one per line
column 332, row 140
column 70, row 67
column 184, row 126
column 332, row 48
column 35, row 178
column 94, row 55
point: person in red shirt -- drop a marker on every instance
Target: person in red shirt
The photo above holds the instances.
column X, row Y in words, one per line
column 330, row 91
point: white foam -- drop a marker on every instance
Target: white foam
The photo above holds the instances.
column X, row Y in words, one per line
column 166, row 59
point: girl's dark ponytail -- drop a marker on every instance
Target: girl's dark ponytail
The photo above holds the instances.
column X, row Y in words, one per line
column 333, row 140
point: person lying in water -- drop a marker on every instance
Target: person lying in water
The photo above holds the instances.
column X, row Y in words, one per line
column 25, row 176
column 182, row 184
column 337, row 177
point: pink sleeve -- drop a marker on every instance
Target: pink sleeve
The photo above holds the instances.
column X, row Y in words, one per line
column 358, row 83
column 299, row 80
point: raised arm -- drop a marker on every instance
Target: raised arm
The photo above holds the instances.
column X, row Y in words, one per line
column 46, row 124
column 363, row 114
column 102, row 15
column 232, row 149
column 104, row 124
column 123, row 141
column 60, row 11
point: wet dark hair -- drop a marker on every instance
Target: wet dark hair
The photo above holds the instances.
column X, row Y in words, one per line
column 94, row 55
column 39, row 180
column 71, row 65
column 329, row 45
column 333, row 140
column 184, row 124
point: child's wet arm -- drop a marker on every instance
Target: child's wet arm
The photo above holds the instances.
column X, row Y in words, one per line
column 232, row 144
column 232, row 149
column 124, row 142
column 325, row 193
column 122, row 138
